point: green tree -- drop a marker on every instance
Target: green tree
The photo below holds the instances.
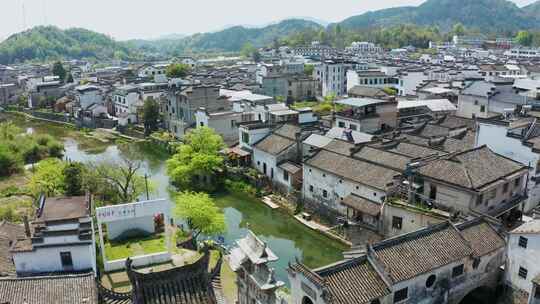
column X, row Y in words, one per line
column 8, row 131
column 458, row 29
column 196, row 160
column 308, row 70
column 116, row 183
column 9, row 161
column 200, row 213
column 150, row 115
column 48, row 178
column 524, row 38
column 247, row 50
column 58, row 70
column 178, row 70
column 74, row 179
column 70, row 78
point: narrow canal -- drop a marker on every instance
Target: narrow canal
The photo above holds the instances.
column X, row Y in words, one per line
column 284, row 235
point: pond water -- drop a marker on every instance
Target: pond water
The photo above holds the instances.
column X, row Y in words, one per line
column 286, row 237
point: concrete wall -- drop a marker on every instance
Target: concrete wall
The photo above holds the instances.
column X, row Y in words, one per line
column 156, row 258
column 48, row 259
column 116, row 228
column 412, row 219
column 495, row 137
column 467, row 107
column 337, row 189
column 450, row 197
column 522, row 257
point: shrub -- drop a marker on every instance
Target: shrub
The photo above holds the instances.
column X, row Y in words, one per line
column 9, row 162
column 56, row 149
column 240, row 187
column 44, row 140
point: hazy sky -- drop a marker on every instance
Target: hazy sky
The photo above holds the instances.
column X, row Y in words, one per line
column 126, row 19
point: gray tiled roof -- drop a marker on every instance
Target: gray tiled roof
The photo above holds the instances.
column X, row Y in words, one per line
column 482, row 238
column 353, row 281
column 340, row 147
column 409, row 255
column 66, row 289
column 384, row 158
column 288, row 131
column 471, row 169
column 363, row 205
column 353, row 169
column 274, row 144
column 414, row 151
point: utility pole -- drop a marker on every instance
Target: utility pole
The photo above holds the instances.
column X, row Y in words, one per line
column 146, row 183
column 23, row 16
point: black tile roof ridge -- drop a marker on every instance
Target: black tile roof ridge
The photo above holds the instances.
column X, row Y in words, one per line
column 410, row 236
column 48, row 277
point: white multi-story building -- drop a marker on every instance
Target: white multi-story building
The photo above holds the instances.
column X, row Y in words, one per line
column 59, row 239
column 126, row 100
column 522, row 271
column 332, row 76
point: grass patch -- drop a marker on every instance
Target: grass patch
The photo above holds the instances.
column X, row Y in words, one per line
column 14, row 208
column 228, row 283
column 115, row 250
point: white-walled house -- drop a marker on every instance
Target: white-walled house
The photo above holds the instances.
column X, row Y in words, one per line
column 397, row 271
column 281, row 146
column 509, row 138
column 522, row 271
column 126, row 100
column 59, row 239
column 338, row 184
column 88, row 95
column 408, row 81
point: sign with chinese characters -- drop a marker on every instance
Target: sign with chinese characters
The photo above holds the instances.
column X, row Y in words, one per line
column 132, row 210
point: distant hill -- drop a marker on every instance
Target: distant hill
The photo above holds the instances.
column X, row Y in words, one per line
column 51, row 43
column 484, row 15
column 228, row 40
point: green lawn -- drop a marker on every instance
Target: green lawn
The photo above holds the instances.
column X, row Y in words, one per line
column 135, row 246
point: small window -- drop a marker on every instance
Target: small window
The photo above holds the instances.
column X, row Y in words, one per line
column 286, row 176
column 376, row 301
column 341, row 181
column 431, row 281
column 517, row 182
column 505, row 188
column 354, row 127
column 310, row 188
column 537, row 292
column 258, row 163
column 476, row 102
column 523, row 242
column 482, row 108
column 357, row 187
column 341, row 124
column 401, row 295
column 65, row 258
column 397, row 222
column 457, row 271
column 522, row 273
column 476, row 263
column 325, row 193
column 324, row 175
